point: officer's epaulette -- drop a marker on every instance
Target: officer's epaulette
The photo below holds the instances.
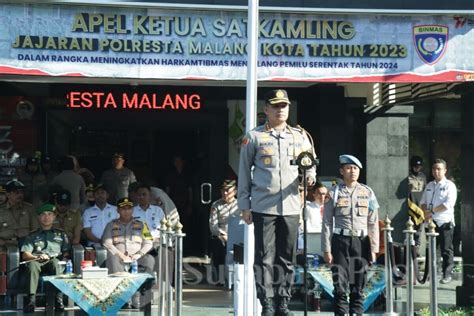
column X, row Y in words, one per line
column 27, row 204
column 296, row 128
column 365, row 186
column 35, row 230
column 59, row 229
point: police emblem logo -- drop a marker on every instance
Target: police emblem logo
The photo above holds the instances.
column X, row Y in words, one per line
column 267, row 160
column 430, row 42
column 280, row 94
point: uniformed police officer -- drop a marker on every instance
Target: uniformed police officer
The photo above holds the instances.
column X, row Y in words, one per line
column 17, row 217
column 127, row 239
column 416, row 178
column 416, row 186
column 118, row 178
column 33, row 180
column 221, row 211
column 270, row 199
column 68, row 219
column 44, row 247
column 354, row 240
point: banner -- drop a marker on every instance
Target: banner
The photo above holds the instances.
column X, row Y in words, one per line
column 60, row 40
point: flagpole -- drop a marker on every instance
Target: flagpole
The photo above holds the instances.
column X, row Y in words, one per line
column 250, row 302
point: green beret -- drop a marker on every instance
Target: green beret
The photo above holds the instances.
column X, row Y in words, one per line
column 46, row 208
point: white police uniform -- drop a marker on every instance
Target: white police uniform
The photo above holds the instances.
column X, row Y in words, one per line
column 96, row 219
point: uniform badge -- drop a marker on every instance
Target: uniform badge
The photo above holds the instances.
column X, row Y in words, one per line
column 342, row 202
column 267, row 160
column 280, row 94
column 430, row 42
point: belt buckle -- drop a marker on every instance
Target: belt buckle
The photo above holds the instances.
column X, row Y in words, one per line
column 354, row 233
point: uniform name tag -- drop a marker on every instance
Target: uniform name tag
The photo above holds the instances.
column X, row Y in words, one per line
column 342, row 202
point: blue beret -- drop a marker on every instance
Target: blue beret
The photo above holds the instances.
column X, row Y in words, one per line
column 349, row 160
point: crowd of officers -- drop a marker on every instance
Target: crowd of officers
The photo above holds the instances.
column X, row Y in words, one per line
column 128, row 229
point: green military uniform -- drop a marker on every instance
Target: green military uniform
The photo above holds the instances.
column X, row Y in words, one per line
column 16, row 221
column 130, row 239
column 52, row 242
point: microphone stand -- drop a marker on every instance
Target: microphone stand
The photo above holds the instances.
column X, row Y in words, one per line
column 305, row 161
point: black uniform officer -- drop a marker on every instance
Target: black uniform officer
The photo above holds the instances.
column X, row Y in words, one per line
column 354, row 240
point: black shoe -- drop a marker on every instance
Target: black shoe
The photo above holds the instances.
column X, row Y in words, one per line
column 282, row 307
column 59, row 306
column 267, row 307
column 30, row 307
column 59, row 302
column 31, row 304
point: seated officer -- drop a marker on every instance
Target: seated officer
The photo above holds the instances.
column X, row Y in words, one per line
column 16, row 216
column 42, row 248
column 95, row 218
column 68, row 219
column 127, row 239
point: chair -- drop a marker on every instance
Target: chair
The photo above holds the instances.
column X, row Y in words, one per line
column 16, row 281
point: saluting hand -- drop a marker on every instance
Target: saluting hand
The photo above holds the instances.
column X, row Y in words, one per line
column 247, row 216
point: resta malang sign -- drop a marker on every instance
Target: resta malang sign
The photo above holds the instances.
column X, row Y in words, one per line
column 133, row 101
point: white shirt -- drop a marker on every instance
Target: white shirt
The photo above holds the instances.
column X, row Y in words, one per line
column 96, row 219
column 152, row 216
column 314, row 222
column 441, row 193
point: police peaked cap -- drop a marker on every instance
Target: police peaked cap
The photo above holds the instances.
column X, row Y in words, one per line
column 31, row 160
column 349, row 160
column 14, row 185
column 118, row 155
column 123, row 202
column 101, row 186
column 416, row 161
column 63, row 197
column 90, row 188
column 277, row 96
column 228, row 183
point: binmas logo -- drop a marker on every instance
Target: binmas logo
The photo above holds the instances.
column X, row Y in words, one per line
column 430, row 42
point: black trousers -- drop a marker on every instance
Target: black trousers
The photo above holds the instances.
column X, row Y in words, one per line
column 349, row 273
column 218, row 253
column 445, row 238
column 275, row 249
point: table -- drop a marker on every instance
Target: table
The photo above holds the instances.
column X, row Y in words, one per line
column 104, row 296
column 375, row 282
